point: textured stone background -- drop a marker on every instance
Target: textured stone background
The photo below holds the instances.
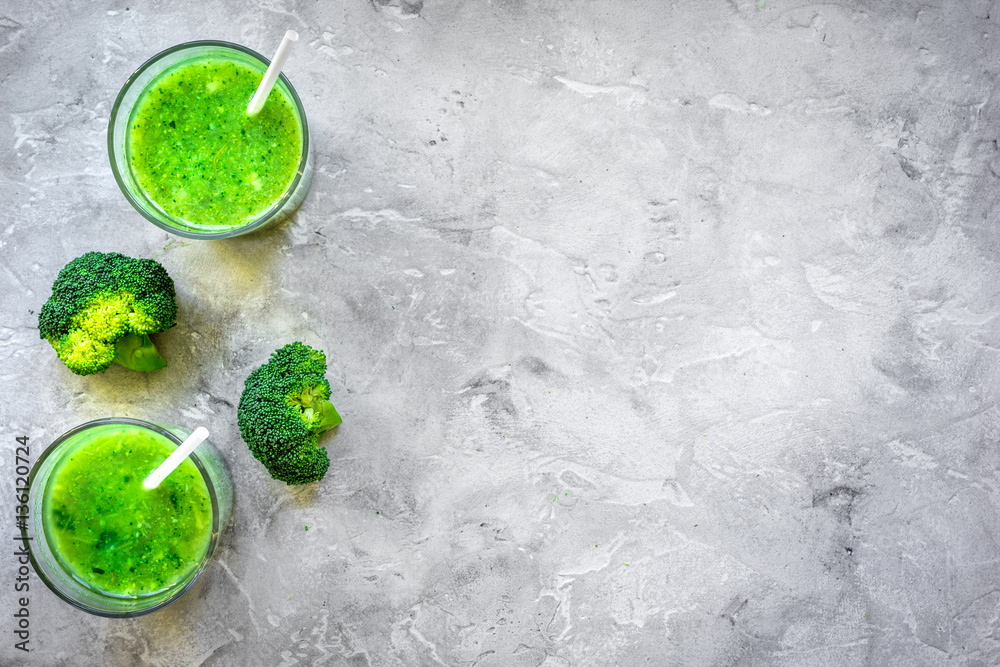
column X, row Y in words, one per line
column 665, row 333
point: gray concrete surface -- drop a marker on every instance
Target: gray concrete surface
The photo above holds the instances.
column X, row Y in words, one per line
column 665, row 333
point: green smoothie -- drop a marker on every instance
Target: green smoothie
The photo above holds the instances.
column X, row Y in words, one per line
column 109, row 532
column 195, row 152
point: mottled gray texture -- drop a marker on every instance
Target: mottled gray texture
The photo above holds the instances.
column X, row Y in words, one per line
column 665, row 333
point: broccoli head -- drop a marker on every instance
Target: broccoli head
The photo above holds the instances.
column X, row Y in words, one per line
column 103, row 307
column 284, row 408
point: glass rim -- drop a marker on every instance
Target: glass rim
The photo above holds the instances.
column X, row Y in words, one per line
column 31, row 548
column 229, row 233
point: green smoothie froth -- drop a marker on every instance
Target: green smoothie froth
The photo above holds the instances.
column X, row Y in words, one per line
column 112, row 534
column 195, row 152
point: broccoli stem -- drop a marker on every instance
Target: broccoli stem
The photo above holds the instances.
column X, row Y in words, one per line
column 329, row 417
column 317, row 412
column 136, row 351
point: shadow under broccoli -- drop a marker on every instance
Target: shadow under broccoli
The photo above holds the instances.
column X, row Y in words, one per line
column 284, row 408
column 103, row 308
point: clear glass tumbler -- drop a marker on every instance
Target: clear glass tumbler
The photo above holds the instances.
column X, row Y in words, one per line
column 118, row 148
column 44, row 554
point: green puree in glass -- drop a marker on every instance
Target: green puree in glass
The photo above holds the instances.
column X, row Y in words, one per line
column 111, row 533
column 194, row 150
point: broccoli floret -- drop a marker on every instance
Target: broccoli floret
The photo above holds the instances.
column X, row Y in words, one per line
column 284, row 408
column 103, row 307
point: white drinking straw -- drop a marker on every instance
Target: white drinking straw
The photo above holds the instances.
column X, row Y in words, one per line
column 176, row 458
column 271, row 75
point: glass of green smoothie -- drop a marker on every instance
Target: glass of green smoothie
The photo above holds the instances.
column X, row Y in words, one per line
column 105, row 544
column 188, row 156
